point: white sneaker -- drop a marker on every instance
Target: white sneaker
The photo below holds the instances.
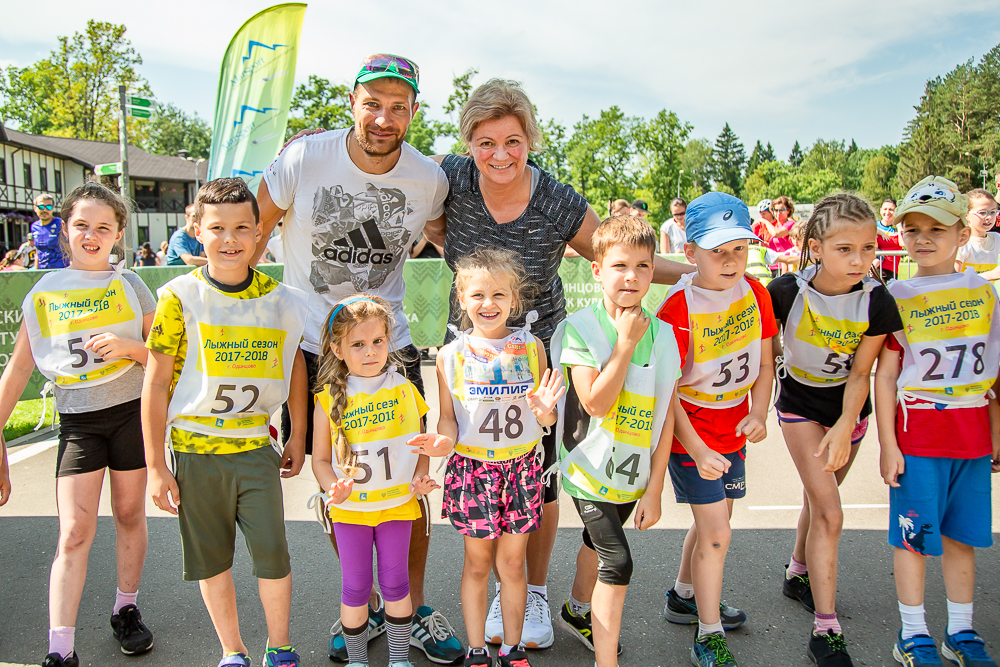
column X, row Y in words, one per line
column 494, row 623
column 537, row 631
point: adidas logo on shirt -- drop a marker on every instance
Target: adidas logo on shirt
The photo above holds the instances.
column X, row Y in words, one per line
column 364, row 245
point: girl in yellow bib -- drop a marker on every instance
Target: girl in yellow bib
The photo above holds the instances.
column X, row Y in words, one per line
column 496, row 396
column 833, row 320
column 982, row 252
column 83, row 328
column 365, row 415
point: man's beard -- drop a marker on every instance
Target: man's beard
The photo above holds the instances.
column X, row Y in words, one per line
column 370, row 149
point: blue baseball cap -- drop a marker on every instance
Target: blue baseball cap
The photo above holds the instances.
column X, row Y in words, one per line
column 717, row 218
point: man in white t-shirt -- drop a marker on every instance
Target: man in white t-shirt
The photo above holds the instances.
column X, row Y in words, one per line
column 352, row 202
column 275, row 247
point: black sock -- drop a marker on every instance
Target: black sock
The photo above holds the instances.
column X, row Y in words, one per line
column 357, row 643
column 398, row 631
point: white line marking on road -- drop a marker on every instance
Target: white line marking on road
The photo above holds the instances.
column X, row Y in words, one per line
column 769, row 508
column 28, row 452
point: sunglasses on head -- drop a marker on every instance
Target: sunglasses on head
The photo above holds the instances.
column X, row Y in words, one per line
column 382, row 62
column 44, row 207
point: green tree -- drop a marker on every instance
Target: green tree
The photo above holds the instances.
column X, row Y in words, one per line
column 795, row 157
column 554, row 156
column 660, row 147
column 319, row 104
column 170, row 130
column 756, row 158
column 825, row 155
column 728, row 158
column 601, row 157
column 422, row 132
column 697, row 177
column 461, row 90
column 877, row 181
column 74, row 91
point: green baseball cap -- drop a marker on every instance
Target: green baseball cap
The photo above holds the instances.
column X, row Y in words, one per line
column 385, row 64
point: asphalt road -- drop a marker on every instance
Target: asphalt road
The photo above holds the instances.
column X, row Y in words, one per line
column 763, row 522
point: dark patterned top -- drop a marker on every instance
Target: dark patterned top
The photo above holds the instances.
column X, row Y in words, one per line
column 554, row 215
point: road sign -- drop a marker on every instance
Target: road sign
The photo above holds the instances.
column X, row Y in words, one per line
column 139, row 102
column 136, row 112
column 109, row 169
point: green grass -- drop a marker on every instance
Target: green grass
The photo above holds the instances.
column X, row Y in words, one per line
column 25, row 417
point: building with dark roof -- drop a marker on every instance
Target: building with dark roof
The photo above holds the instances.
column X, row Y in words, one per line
column 161, row 186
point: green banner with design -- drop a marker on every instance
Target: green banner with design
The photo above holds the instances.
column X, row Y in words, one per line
column 428, row 286
column 255, row 90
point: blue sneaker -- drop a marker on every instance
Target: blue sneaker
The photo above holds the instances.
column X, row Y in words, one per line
column 280, row 657
column 235, row 660
column 916, row 651
column 433, row 634
column 966, row 649
column 711, row 651
column 337, row 648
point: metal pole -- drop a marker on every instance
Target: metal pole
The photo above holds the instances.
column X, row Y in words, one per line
column 133, row 231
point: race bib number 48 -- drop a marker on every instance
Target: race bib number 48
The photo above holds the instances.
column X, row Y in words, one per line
column 79, row 310
column 250, row 352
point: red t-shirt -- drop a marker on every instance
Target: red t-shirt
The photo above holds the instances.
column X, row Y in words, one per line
column 716, row 426
column 950, row 433
column 889, row 263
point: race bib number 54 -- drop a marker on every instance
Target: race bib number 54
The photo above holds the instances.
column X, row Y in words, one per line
column 231, row 351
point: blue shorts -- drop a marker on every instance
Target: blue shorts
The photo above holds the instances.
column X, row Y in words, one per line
column 940, row 496
column 691, row 488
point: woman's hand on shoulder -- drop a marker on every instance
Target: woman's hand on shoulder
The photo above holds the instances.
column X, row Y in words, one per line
column 423, row 484
column 431, row 444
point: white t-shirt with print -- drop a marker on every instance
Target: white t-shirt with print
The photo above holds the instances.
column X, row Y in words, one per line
column 677, row 236
column 346, row 231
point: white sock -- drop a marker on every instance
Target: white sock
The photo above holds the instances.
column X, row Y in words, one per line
column 959, row 617
column 505, row 649
column 541, row 590
column 683, row 590
column 61, row 640
column 914, row 620
column 576, row 607
column 707, row 629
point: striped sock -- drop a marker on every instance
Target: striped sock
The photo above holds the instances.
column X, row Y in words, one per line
column 357, row 643
column 398, row 630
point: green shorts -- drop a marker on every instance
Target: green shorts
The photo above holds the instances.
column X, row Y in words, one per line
column 220, row 492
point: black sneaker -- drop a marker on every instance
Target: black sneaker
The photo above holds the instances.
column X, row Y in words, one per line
column 829, row 650
column 56, row 660
column 798, row 588
column 130, row 631
column 579, row 626
column 685, row 612
column 478, row 657
column 517, row 657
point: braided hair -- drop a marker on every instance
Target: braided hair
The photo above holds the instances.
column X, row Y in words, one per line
column 333, row 371
column 841, row 207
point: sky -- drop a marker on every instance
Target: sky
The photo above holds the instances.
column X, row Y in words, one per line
column 776, row 71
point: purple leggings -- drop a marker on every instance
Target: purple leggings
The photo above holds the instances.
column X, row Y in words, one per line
column 392, row 543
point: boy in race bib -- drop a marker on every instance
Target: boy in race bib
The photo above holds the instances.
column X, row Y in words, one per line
column 723, row 324
column 496, row 397
column 833, row 320
column 365, row 415
column 83, row 328
column 624, row 367
column 223, row 355
column 935, row 393
column 982, row 252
